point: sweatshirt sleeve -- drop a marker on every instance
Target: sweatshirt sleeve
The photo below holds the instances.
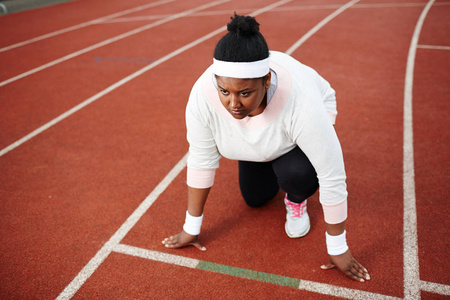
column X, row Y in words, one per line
column 203, row 159
column 329, row 98
column 315, row 135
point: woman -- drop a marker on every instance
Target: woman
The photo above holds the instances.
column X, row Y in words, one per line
column 275, row 116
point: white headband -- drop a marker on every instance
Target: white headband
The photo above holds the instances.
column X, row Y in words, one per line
column 254, row 69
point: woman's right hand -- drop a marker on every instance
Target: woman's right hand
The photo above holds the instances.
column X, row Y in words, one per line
column 183, row 239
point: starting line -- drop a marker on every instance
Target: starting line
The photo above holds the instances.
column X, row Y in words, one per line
column 306, row 285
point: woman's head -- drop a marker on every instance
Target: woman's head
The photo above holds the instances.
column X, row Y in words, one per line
column 241, row 66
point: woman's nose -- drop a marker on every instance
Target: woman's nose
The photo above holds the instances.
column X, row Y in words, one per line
column 234, row 102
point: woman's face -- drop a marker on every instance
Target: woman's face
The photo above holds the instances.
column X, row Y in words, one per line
column 243, row 97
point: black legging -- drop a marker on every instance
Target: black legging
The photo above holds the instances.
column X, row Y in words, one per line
column 292, row 172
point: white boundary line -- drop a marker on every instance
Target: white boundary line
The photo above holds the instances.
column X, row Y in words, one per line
column 75, row 27
column 111, row 40
column 432, row 47
column 107, row 91
column 4, row 8
column 306, row 285
column 436, row 288
column 157, row 256
column 339, row 291
column 319, row 26
column 120, row 83
column 411, row 275
column 108, row 247
column 279, row 9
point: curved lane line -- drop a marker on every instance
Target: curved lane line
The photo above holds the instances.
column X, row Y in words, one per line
column 319, row 26
column 411, row 281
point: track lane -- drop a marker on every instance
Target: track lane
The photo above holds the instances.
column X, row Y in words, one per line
column 98, row 143
column 360, row 140
column 61, row 90
column 91, row 39
column 431, row 147
column 69, row 174
column 63, row 16
column 373, row 153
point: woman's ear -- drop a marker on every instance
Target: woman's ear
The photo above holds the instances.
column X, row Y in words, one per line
column 267, row 80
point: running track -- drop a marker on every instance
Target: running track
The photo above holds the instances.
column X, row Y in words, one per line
column 92, row 152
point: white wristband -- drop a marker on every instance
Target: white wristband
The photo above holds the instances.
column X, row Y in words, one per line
column 192, row 224
column 336, row 244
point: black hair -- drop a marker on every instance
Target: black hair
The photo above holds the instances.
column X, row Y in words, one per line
column 243, row 42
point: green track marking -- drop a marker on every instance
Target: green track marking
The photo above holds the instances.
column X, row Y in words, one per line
column 300, row 284
column 249, row 274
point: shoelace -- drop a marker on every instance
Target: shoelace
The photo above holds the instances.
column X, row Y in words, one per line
column 296, row 209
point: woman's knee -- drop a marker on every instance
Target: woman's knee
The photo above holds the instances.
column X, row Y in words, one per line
column 296, row 175
column 258, row 199
column 299, row 182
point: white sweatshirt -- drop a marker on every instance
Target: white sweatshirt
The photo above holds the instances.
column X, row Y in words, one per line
column 301, row 112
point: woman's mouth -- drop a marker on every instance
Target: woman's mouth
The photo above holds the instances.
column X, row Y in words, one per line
column 237, row 112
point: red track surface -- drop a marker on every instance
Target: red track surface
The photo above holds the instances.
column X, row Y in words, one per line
column 66, row 191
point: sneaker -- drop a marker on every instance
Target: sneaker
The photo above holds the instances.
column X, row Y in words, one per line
column 297, row 219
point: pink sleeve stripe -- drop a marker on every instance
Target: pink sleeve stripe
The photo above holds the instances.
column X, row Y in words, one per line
column 200, row 179
column 335, row 213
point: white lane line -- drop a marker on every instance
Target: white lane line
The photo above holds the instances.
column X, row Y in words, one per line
column 85, row 24
column 111, row 40
column 339, row 291
column 4, row 8
column 436, row 288
column 135, row 19
column 278, row 9
column 319, row 26
column 157, row 256
column 106, row 91
column 311, row 286
column 432, row 47
column 109, row 246
column 411, row 280
column 122, row 82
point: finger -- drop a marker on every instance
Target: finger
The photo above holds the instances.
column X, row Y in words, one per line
column 199, row 246
column 354, row 277
column 359, row 270
column 364, row 271
column 168, row 240
column 171, row 242
column 355, row 273
column 328, row 266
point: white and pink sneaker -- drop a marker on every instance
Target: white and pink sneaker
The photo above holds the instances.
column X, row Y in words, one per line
column 297, row 219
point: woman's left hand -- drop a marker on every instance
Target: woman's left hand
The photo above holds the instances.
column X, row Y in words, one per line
column 348, row 265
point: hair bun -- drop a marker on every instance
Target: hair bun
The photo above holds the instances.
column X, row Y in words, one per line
column 243, row 25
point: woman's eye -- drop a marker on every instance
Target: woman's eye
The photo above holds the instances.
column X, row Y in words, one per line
column 225, row 92
column 244, row 94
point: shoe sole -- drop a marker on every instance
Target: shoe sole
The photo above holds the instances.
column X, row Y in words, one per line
column 298, row 235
